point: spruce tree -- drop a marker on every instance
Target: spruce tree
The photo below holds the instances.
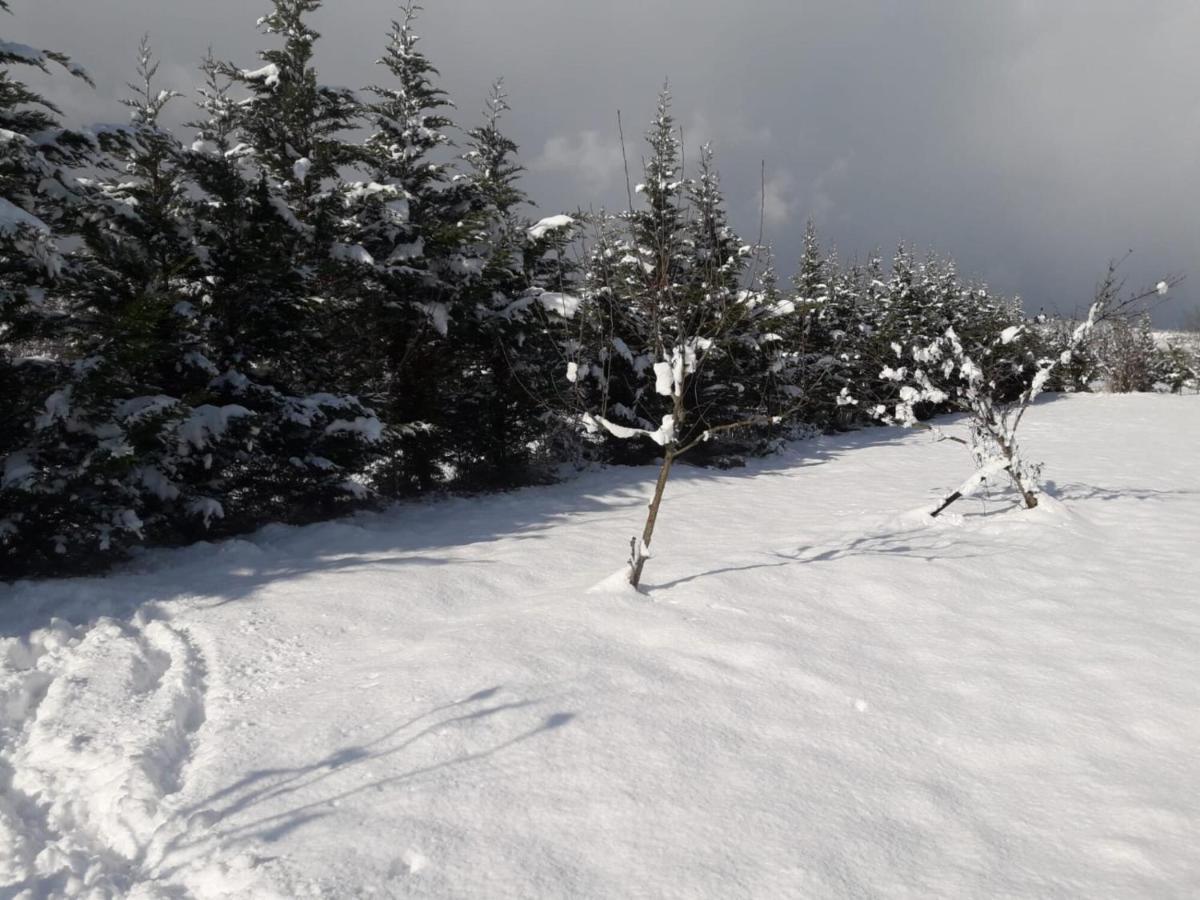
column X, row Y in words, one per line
column 38, row 204
column 498, row 341
column 414, row 219
column 134, row 292
column 278, row 272
column 406, row 219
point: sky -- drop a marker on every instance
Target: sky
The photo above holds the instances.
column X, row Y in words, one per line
column 1030, row 140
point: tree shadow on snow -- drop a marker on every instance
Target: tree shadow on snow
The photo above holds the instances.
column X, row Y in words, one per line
column 408, row 535
column 1079, row 491
column 265, row 792
column 914, row 543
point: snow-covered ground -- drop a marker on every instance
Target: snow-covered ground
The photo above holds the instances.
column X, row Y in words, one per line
column 821, row 692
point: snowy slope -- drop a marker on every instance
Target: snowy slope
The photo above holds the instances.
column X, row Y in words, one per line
column 818, row 695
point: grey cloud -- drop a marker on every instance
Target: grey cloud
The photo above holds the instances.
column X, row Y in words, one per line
column 594, row 159
column 1030, row 139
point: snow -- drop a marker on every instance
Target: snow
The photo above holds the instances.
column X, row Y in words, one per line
column 144, row 407
column 268, row 74
column 206, row 509
column 664, row 382
column 622, row 349
column 367, row 427
column 157, row 483
column 355, row 253
column 821, row 691
column 662, row 435
column 12, row 217
column 207, row 422
column 300, row 168
column 18, row 470
column 286, row 214
column 199, row 360
column 129, row 520
column 550, row 223
column 1009, row 334
column 57, row 408
column 565, row 305
column 467, row 265
column 669, row 377
column 356, row 489
column 23, row 52
column 439, row 315
column 12, row 137
column 1162, row 287
column 408, row 251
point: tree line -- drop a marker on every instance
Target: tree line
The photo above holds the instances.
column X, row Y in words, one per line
column 318, row 299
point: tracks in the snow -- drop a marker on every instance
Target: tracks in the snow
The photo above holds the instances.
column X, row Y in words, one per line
column 97, row 726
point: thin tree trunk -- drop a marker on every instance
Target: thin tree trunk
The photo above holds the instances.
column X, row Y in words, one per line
column 937, row 512
column 638, row 557
column 1027, row 495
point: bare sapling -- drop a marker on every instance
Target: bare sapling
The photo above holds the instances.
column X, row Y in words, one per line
column 663, row 301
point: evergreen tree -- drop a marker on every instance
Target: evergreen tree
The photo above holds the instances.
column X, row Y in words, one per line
column 277, row 273
column 1129, row 356
column 38, row 200
column 133, row 295
column 513, row 314
column 407, row 219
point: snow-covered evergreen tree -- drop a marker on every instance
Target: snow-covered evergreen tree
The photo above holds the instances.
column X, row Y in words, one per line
column 277, row 274
column 812, row 336
column 38, row 200
column 136, row 350
column 489, row 407
column 406, row 215
column 1128, row 355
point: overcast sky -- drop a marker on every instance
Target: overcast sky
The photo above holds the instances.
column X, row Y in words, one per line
column 1029, row 139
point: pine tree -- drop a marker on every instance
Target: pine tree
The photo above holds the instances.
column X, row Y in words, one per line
column 134, row 292
column 508, row 319
column 1129, row 359
column 278, row 273
column 38, row 200
column 407, row 218
column 420, row 223
column 293, row 131
column 809, row 333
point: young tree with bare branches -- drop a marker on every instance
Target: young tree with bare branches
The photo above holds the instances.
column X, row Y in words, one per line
column 663, row 302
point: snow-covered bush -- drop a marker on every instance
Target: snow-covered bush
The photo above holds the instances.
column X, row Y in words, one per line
column 977, row 380
column 1178, row 366
column 944, row 371
column 1128, row 356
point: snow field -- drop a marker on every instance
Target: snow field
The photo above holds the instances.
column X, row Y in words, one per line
column 821, row 692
